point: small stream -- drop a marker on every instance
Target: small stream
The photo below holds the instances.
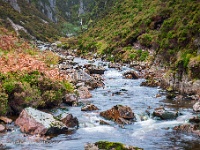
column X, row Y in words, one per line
column 149, row 134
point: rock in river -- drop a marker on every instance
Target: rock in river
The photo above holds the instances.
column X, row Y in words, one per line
column 196, row 106
column 70, row 99
column 89, row 107
column 120, row 114
column 5, row 119
column 33, row 121
column 69, row 120
column 84, row 93
column 131, row 75
column 2, row 128
column 164, row 114
column 106, row 145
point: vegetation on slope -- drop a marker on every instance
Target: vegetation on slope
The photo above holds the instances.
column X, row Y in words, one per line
column 170, row 28
column 28, row 77
column 36, row 23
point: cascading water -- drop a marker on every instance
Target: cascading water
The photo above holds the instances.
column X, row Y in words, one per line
column 146, row 132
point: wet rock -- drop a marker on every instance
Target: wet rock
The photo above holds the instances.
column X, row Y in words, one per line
column 2, row 128
column 96, row 70
column 102, row 122
column 71, row 99
column 79, row 76
column 164, row 114
column 5, row 119
column 106, row 145
column 120, row 114
column 89, row 107
column 150, row 83
column 131, row 75
column 84, row 93
column 195, row 119
column 65, row 66
column 114, row 65
column 70, row 57
column 33, row 122
column 189, row 128
column 69, row 120
column 196, row 106
column 91, row 146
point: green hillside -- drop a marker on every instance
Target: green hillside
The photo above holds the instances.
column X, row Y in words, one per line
column 170, row 28
column 36, row 23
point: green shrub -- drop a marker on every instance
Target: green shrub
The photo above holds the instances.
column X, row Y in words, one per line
column 3, row 103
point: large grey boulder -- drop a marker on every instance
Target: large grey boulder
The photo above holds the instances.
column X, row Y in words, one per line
column 33, row 122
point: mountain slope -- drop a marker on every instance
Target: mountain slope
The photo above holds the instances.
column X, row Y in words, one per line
column 169, row 28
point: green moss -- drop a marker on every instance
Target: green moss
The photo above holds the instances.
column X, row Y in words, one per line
column 114, row 145
column 3, row 102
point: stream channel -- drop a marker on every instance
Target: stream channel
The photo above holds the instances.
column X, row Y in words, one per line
column 150, row 134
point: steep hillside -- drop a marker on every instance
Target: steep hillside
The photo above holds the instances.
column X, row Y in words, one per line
column 46, row 20
column 27, row 21
column 167, row 31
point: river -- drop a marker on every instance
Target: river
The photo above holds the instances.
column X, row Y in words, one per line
column 150, row 134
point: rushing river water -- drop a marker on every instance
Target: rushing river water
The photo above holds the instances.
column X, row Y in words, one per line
column 150, row 134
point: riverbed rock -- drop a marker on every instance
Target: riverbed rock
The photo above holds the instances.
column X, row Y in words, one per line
column 69, row 120
column 188, row 128
column 70, row 99
column 78, row 76
column 114, row 65
column 2, row 128
column 96, row 69
column 106, row 145
column 84, row 93
column 5, row 119
column 102, row 122
column 32, row 121
column 196, row 106
column 164, row 114
column 120, row 114
column 89, row 107
column 131, row 75
column 195, row 119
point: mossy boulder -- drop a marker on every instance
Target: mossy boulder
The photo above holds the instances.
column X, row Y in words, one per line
column 106, row 145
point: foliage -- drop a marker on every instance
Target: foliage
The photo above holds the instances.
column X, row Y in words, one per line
column 113, row 145
column 167, row 27
column 28, row 77
column 32, row 20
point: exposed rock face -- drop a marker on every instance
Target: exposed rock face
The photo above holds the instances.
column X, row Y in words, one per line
column 119, row 114
column 84, row 93
column 14, row 4
column 33, row 121
column 131, row 75
column 89, row 107
column 196, row 106
column 165, row 115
